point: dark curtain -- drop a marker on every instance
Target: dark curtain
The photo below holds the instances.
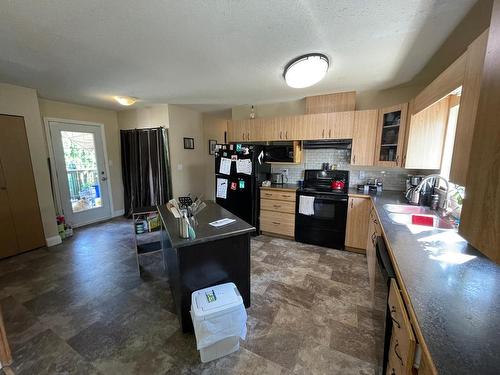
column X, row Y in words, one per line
column 145, row 168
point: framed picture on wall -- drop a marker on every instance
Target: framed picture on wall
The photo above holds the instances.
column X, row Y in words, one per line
column 211, row 146
column 189, row 143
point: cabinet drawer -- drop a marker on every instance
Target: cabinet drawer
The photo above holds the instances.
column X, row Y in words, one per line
column 402, row 333
column 279, row 206
column 278, row 195
column 277, row 222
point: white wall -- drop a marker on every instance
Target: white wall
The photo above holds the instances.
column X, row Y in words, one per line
column 21, row 101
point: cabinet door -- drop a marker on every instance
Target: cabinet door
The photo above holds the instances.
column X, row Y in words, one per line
column 371, row 256
column 288, row 127
column 236, row 131
column 339, row 125
column 364, row 137
column 390, row 135
column 19, row 183
column 314, row 126
column 358, row 216
column 468, row 109
column 426, row 136
column 254, row 129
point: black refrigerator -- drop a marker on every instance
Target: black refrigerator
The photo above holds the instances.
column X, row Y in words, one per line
column 237, row 186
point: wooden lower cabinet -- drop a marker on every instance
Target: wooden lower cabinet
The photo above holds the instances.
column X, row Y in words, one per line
column 403, row 343
column 374, row 230
column 358, row 215
column 277, row 212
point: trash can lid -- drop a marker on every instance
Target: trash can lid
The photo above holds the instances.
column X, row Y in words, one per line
column 216, row 299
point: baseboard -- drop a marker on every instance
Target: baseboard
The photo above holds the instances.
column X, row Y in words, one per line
column 117, row 213
column 52, row 241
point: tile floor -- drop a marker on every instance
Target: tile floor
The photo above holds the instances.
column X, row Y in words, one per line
column 80, row 308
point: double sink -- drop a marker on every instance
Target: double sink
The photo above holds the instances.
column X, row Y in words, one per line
column 416, row 215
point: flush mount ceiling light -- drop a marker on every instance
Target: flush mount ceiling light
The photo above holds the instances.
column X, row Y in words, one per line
column 306, row 70
column 125, row 100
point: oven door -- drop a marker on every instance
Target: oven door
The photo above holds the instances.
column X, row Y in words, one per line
column 326, row 227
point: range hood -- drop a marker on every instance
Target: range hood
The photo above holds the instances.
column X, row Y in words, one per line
column 343, row 144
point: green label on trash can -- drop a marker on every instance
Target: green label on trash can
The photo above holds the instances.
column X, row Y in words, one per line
column 211, row 296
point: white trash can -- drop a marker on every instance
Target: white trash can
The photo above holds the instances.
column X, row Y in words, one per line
column 219, row 320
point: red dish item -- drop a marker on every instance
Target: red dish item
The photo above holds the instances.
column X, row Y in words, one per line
column 422, row 220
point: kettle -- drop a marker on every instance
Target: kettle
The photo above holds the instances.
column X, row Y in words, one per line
column 337, row 184
column 413, row 195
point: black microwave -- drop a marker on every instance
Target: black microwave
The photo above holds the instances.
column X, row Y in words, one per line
column 279, row 154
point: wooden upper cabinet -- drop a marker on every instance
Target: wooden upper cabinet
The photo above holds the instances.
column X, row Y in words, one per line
column 480, row 217
column 363, row 138
column 426, row 136
column 391, row 135
column 338, row 102
column 468, row 108
column 313, row 126
column 339, row 125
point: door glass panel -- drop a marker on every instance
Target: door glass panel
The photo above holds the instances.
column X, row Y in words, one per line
column 81, row 169
column 390, row 135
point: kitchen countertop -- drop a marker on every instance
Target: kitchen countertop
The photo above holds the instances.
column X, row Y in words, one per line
column 290, row 187
column 204, row 231
column 453, row 290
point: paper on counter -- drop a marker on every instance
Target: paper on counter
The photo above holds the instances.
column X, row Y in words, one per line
column 225, row 166
column 244, row 166
column 221, row 222
column 221, row 188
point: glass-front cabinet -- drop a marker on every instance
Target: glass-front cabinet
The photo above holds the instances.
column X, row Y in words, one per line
column 391, row 135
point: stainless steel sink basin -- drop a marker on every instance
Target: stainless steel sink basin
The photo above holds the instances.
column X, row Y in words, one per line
column 407, row 219
column 405, row 209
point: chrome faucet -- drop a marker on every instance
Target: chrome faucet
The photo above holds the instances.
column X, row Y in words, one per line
column 416, row 191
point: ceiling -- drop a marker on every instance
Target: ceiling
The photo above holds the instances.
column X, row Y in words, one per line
column 214, row 54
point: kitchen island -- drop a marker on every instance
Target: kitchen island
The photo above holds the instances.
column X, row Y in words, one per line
column 215, row 256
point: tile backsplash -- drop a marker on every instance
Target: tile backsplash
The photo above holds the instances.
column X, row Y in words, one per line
column 393, row 178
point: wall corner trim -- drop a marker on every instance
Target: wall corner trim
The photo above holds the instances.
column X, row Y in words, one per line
column 54, row 240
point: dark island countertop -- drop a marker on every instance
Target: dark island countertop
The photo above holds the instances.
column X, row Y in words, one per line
column 453, row 290
column 204, row 231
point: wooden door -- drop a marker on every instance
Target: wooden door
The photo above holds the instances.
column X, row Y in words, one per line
column 358, row 216
column 19, row 184
column 8, row 236
column 480, row 220
column 468, row 108
column 364, row 137
column 390, row 135
column 427, row 135
column 340, row 125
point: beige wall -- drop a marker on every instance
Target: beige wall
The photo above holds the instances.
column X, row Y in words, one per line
column 67, row 111
column 188, row 166
column 146, row 117
column 214, row 127
column 20, row 101
column 290, row 108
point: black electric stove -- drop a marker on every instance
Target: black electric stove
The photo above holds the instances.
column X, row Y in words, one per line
column 325, row 226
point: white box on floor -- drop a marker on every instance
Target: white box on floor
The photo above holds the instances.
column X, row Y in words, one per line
column 219, row 320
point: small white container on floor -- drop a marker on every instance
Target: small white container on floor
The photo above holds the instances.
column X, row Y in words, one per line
column 219, row 320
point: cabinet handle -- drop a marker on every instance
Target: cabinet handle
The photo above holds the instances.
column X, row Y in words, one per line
column 397, row 354
column 285, row 196
column 281, row 135
column 276, row 206
column 286, row 134
column 323, row 134
column 276, row 223
column 248, row 136
column 329, row 133
column 397, row 159
column 354, row 159
column 268, row 194
column 352, row 203
column 393, row 310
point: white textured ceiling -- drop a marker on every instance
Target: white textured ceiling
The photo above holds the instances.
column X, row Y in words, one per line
column 214, row 52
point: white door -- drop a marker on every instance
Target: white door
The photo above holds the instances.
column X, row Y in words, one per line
column 81, row 172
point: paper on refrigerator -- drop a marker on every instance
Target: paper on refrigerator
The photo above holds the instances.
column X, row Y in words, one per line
column 221, row 188
column 225, row 166
column 244, row 166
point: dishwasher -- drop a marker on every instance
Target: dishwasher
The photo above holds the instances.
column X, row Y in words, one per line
column 385, row 274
